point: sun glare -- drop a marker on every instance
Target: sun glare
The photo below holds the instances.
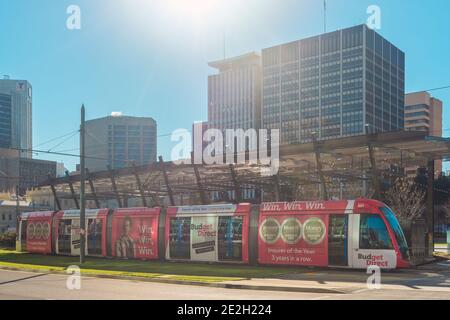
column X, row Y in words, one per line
column 192, row 11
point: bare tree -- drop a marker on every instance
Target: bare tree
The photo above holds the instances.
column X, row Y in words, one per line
column 447, row 209
column 406, row 199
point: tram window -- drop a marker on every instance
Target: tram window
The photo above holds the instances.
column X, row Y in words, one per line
column 373, row 233
column 65, row 236
column 94, row 236
column 23, row 235
column 180, row 238
column 230, row 238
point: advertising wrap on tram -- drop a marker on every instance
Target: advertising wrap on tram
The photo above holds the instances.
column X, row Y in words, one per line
column 290, row 236
column 215, row 233
column 39, row 232
column 135, row 233
column 343, row 233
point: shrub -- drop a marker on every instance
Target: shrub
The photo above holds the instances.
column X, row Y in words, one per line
column 8, row 240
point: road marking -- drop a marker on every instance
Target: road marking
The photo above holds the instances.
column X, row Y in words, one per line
column 22, row 279
column 359, row 291
column 321, row 298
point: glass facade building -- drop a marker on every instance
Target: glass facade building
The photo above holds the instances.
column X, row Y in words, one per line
column 5, row 121
column 16, row 115
column 333, row 85
column 234, row 93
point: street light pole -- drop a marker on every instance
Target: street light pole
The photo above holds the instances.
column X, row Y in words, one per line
column 82, row 189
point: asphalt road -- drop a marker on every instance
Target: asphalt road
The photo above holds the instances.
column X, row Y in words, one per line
column 26, row 285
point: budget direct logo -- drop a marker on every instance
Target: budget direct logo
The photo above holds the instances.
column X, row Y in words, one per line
column 204, row 230
column 314, row 231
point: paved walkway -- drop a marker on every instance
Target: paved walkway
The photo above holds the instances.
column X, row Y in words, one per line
column 431, row 277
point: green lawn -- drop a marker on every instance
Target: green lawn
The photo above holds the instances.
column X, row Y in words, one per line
column 149, row 269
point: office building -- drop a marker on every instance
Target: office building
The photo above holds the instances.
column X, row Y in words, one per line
column 120, row 141
column 24, row 172
column 34, row 171
column 333, row 85
column 423, row 113
column 8, row 213
column 234, row 93
column 16, row 115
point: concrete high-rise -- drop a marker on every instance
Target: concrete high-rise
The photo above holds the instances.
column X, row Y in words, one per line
column 423, row 113
column 234, row 93
column 119, row 141
column 333, row 85
column 16, row 115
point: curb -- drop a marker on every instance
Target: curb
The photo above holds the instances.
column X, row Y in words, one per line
column 191, row 283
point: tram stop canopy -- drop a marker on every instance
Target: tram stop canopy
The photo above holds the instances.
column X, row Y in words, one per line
column 327, row 165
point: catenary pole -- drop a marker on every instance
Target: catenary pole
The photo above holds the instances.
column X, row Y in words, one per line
column 82, row 189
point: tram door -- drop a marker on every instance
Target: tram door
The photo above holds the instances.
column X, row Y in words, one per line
column 370, row 242
column 338, row 240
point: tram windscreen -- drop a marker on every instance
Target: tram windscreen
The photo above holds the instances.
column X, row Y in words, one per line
column 397, row 229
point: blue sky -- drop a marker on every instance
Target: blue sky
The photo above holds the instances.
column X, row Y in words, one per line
column 149, row 58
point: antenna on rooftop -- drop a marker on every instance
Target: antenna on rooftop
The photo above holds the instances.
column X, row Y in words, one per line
column 224, row 46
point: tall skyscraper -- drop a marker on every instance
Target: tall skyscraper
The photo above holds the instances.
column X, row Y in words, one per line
column 423, row 113
column 119, row 141
column 16, row 115
column 333, row 85
column 234, row 94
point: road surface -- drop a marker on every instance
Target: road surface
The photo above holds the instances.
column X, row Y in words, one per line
column 27, row 285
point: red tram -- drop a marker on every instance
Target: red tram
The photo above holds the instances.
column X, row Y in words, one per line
column 343, row 233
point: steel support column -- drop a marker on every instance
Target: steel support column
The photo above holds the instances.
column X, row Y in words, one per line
column 237, row 186
column 374, row 169
column 276, row 182
column 139, row 185
column 201, row 191
column 91, row 185
column 55, row 196
column 114, row 186
column 166, row 180
column 430, row 206
column 72, row 191
column 319, row 169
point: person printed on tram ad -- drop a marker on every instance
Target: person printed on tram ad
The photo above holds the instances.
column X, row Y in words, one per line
column 125, row 247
